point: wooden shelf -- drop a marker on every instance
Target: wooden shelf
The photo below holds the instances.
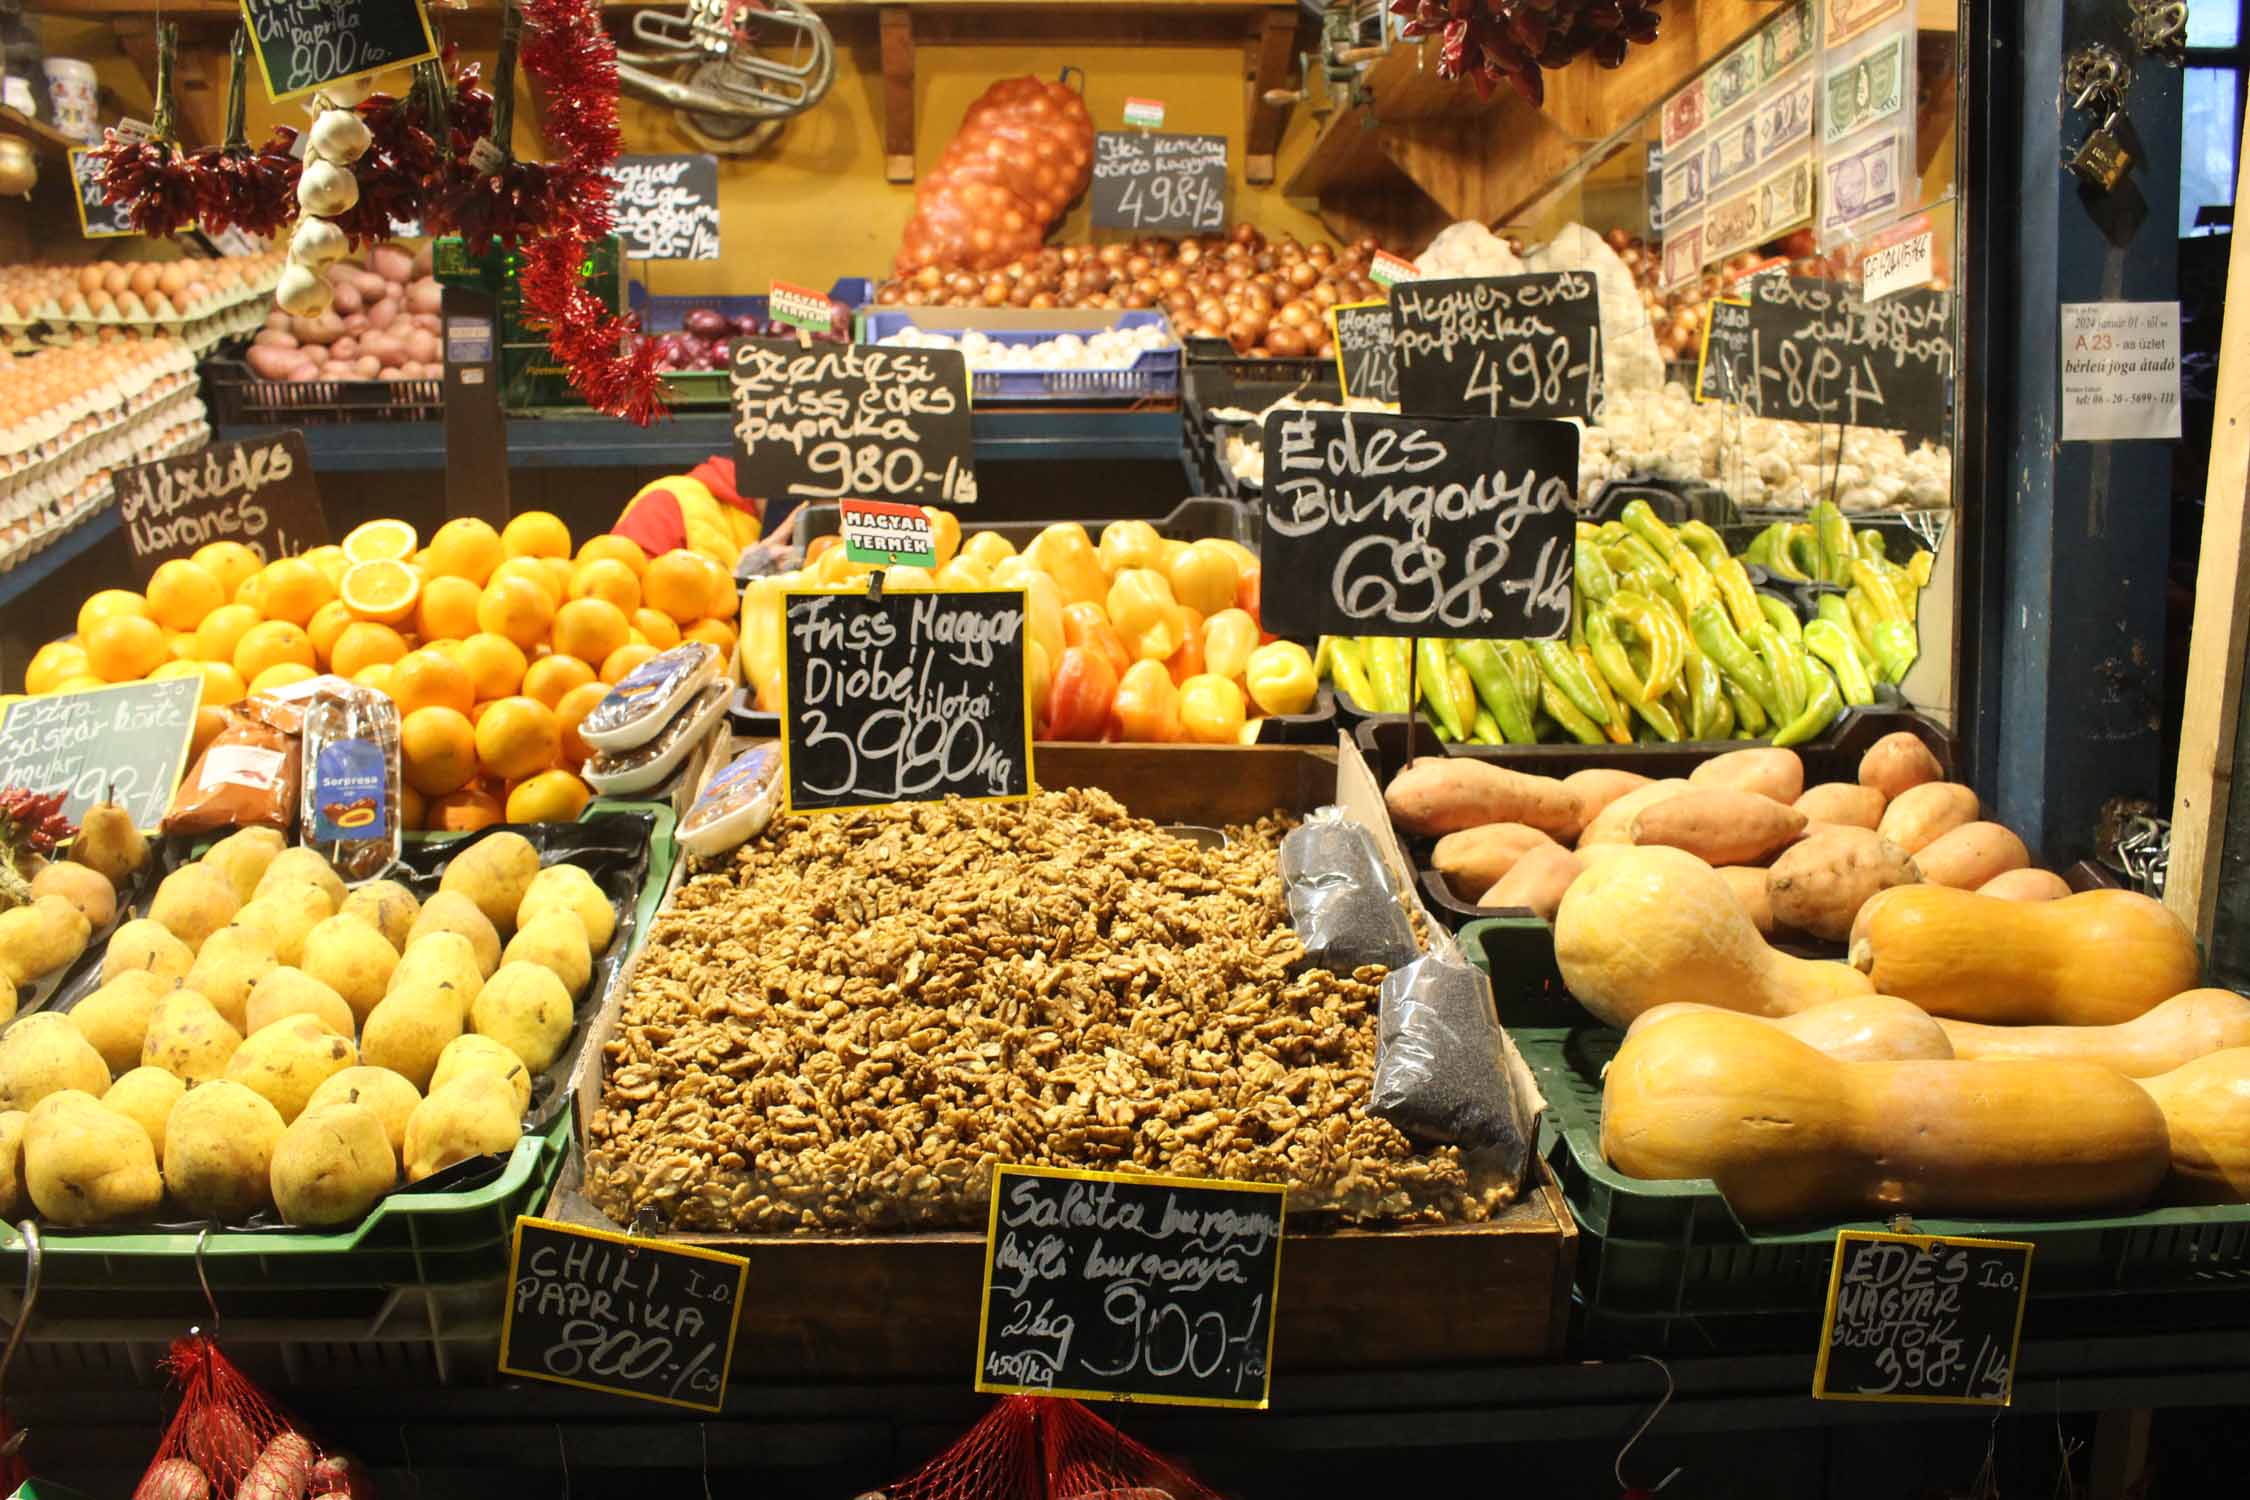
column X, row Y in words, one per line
column 47, row 140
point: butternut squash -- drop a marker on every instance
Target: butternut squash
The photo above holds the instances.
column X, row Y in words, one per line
column 1863, row 1028
column 2168, row 1036
column 1920, row 816
column 1647, row 925
column 1597, row 787
column 1748, row 882
column 1972, row 856
column 2206, row 1104
column 2026, row 885
column 1787, row 1133
column 1897, row 763
column 2092, row 959
column 1819, row 885
column 1720, row 826
column 1842, row 802
column 1765, row 770
column 1475, row 858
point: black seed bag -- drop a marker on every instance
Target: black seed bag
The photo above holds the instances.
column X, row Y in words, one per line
column 1341, row 900
column 1440, row 1061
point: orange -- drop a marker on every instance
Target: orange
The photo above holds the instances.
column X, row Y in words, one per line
column 251, row 591
column 575, row 705
column 269, row 644
column 531, row 570
column 518, row 737
column 222, row 630
column 80, row 683
column 331, row 560
column 559, row 571
column 124, row 647
column 607, row 578
column 208, row 723
column 108, row 604
column 658, row 629
column 682, row 584
column 53, row 663
column 291, row 589
column 326, row 625
column 516, row 609
column 718, row 632
column 364, row 643
column 463, row 811
column 229, row 562
column 376, row 675
column 634, row 637
column 623, row 660
column 726, row 595
column 384, row 589
column 430, row 679
column 590, row 629
column 448, row 609
column 536, row 533
column 222, row 684
column 180, row 594
column 464, row 548
column 494, row 663
column 180, row 646
column 280, row 675
column 549, row 797
column 386, row 539
column 412, row 810
column 438, row 750
column 552, row 676
column 623, row 548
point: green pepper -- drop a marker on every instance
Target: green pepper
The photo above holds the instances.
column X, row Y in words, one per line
column 1463, row 690
column 1629, row 552
column 1694, row 579
column 1749, row 715
column 1868, row 542
column 1787, row 661
column 1646, row 620
column 1870, row 580
column 1608, row 652
column 1705, row 698
column 1709, row 547
column 1837, row 647
column 1617, row 725
column 1524, row 667
column 1496, row 689
column 1735, row 592
column 1771, row 552
column 1832, row 542
column 1660, row 718
column 1894, row 645
column 1566, row 713
column 1560, row 666
column 1434, row 679
column 1918, row 567
column 1658, row 584
column 1593, row 576
column 1735, row 661
column 1831, row 608
column 1389, row 671
column 1803, row 547
column 1722, row 720
column 1823, row 702
column 1864, row 618
column 1646, row 524
column 1780, row 616
column 1484, row 731
column 1350, row 674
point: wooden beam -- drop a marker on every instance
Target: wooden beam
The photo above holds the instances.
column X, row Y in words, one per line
column 2212, row 714
column 898, row 94
column 1272, row 48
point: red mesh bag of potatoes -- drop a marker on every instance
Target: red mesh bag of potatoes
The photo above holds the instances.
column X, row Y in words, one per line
column 1025, row 149
column 1042, row 1448
column 227, row 1439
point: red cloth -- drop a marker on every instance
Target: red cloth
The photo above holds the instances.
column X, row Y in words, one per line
column 717, row 476
column 654, row 523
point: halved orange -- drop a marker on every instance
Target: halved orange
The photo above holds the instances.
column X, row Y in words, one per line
column 386, row 539
column 381, row 589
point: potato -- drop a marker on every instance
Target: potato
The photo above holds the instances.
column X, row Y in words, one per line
column 386, row 906
column 281, row 1470
column 1597, row 787
column 193, row 902
column 2026, row 885
column 408, row 1030
column 494, row 872
column 1473, row 860
column 1971, row 856
column 331, row 1165
column 143, row 944
column 1897, row 763
column 354, row 960
column 573, row 890
column 1778, row 774
column 1749, row 887
column 146, row 1096
column 285, row 916
column 1842, row 803
column 229, row 965
column 1820, row 885
column 555, row 940
column 388, row 1094
column 1719, row 825
column 1921, row 815
column 287, row 1059
column 85, row 1165
column 88, row 890
column 173, row 1479
column 1614, row 823
column 1537, row 881
column 525, row 1008
column 13, row 1199
column 471, row 1053
column 303, row 866
column 244, row 857
column 188, row 1038
column 218, row 1149
column 474, row 1115
column 441, row 960
column 40, row 938
column 450, row 911
column 1439, row 794
column 114, row 1019
column 44, row 1054
column 284, row 991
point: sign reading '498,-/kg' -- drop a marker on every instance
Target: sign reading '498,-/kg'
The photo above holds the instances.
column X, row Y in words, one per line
column 822, row 421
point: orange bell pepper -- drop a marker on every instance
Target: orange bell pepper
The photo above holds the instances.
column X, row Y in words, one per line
column 1078, row 703
column 1038, row 679
column 1188, row 660
column 1086, row 625
column 1147, row 706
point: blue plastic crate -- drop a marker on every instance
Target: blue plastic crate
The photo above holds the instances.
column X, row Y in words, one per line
column 1156, row 373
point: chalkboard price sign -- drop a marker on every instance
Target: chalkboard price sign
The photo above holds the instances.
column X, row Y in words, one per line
column 1419, row 525
column 1722, row 364
column 831, row 420
column 1822, row 354
column 1366, row 361
column 97, row 220
column 128, row 742
column 1101, row 1284
column 909, row 697
column 666, row 207
column 303, row 45
column 1499, row 346
column 259, row 492
column 609, row 1312
column 1917, row 1318
column 1146, row 181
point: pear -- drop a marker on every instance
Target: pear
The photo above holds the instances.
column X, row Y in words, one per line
column 109, row 844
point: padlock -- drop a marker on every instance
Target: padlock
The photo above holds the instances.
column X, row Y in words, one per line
column 2103, row 161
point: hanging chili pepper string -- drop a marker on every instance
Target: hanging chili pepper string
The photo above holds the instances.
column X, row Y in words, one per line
column 150, row 179
column 235, row 187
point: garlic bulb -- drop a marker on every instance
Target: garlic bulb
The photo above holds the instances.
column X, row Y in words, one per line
column 326, row 189
column 302, row 292
column 316, row 243
column 344, row 93
column 340, row 136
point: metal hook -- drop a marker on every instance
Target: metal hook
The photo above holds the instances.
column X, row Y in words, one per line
column 562, row 1451
column 202, row 1238
column 1647, row 1422
column 703, row 1435
column 34, row 1253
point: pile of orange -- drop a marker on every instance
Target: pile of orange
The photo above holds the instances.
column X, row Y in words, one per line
column 494, row 644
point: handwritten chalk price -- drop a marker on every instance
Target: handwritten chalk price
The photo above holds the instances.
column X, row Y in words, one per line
column 1922, row 1318
column 833, row 420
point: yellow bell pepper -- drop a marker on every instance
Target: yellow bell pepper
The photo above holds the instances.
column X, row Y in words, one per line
column 988, row 548
column 1147, row 705
column 1212, row 710
column 762, row 633
column 903, row 579
column 1244, row 558
column 1129, row 544
column 1038, row 677
column 1280, row 678
column 1228, row 639
column 1140, row 605
column 1167, row 548
column 1064, row 554
column 834, row 567
column 945, row 533
column 1204, row 575
column 964, row 573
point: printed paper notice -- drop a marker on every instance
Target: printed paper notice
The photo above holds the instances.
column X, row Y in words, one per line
column 2120, row 371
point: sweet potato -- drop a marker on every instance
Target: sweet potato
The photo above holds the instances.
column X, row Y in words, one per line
column 1447, row 793
column 2026, row 885
column 1844, row 803
column 1972, row 855
column 1921, row 815
column 1719, row 825
column 1820, row 885
column 1537, row 882
column 1614, row 823
column 1597, row 788
column 1897, row 763
column 1777, row 774
column 1473, row 859
column 1748, row 883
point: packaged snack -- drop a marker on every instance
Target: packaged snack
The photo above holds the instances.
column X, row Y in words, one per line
column 643, row 703
column 737, row 803
column 246, row 776
column 351, row 779
column 615, row 772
